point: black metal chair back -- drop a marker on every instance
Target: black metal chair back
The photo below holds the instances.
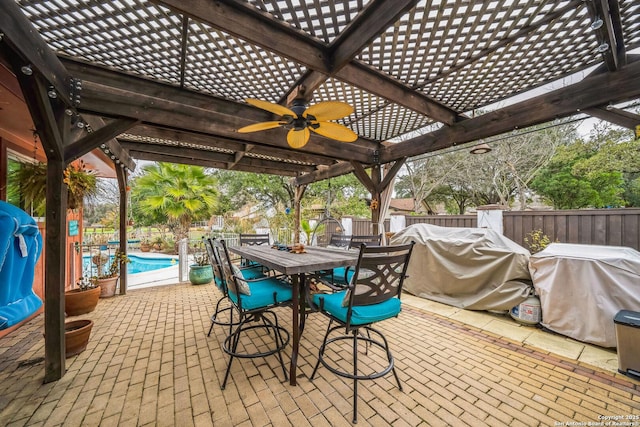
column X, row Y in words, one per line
column 222, row 305
column 254, row 239
column 379, row 274
column 254, row 300
column 373, row 295
column 370, row 240
column 340, row 240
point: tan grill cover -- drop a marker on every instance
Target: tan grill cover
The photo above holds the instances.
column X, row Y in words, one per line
column 583, row 287
column 471, row 268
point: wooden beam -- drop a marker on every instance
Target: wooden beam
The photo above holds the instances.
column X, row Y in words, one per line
column 616, row 116
column 222, row 117
column 394, row 91
column 99, row 136
column 31, row 49
column 340, row 168
column 591, row 92
column 617, row 31
column 599, row 9
column 114, row 146
column 166, row 111
column 217, row 157
column 45, row 112
column 240, row 167
column 250, row 24
column 391, row 173
column 363, row 177
column 224, row 143
column 374, row 19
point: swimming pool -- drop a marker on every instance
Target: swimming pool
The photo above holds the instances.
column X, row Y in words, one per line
column 138, row 264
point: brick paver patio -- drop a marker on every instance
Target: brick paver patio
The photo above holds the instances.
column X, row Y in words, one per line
column 149, row 362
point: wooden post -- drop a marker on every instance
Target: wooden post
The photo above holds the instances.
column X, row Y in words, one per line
column 55, row 255
column 300, row 189
column 376, row 178
column 121, row 174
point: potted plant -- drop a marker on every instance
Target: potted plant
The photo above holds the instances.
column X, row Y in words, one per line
column 82, row 299
column 200, row 272
column 81, row 182
column 108, row 279
column 158, row 243
column 76, row 336
column 145, row 245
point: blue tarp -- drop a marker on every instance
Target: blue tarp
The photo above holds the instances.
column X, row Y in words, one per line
column 20, row 248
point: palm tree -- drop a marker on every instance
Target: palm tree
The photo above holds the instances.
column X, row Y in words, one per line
column 174, row 194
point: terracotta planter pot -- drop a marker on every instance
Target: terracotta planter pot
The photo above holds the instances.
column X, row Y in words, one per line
column 108, row 286
column 76, row 336
column 200, row 274
column 78, row 301
column 145, row 247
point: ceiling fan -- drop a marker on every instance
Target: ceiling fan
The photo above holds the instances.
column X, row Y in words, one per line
column 299, row 120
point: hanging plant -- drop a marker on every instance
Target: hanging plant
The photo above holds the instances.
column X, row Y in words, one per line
column 32, row 178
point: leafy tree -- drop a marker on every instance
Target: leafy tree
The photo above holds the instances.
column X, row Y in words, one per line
column 345, row 195
column 173, row 194
column 572, row 180
column 460, row 180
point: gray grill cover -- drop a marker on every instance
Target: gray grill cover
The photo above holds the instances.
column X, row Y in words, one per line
column 583, row 287
column 471, row 268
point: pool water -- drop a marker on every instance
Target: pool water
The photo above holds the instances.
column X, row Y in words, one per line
column 138, row 264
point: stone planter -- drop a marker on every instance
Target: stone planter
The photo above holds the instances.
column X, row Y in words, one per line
column 78, row 301
column 108, row 286
column 200, row 274
column 76, row 336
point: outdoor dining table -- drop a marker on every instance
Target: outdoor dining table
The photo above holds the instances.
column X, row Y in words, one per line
column 297, row 265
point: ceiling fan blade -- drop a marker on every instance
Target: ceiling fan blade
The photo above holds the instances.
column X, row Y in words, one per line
column 270, row 106
column 335, row 131
column 261, row 126
column 298, row 138
column 329, row 110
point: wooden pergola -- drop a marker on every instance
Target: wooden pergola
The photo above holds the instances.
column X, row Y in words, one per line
column 166, row 80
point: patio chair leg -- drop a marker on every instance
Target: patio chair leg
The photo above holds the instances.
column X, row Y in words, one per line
column 234, row 347
column 355, row 374
column 280, row 344
column 321, row 352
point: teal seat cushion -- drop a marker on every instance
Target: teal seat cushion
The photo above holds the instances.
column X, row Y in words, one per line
column 254, row 272
column 338, row 274
column 262, row 294
column 362, row 314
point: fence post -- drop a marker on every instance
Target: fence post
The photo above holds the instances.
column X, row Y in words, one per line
column 183, row 260
column 490, row 216
column 347, row 225
column 397, row 222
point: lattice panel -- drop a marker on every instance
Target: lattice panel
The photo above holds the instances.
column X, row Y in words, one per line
column 373, row 117
column 225, row 66
column 322, row 19
column 630, row 13
column 470, row 54
column 132, row 36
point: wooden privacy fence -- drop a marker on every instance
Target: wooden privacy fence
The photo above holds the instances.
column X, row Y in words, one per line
column 609, row 227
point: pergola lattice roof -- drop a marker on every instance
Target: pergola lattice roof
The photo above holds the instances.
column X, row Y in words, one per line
column 180, row 71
